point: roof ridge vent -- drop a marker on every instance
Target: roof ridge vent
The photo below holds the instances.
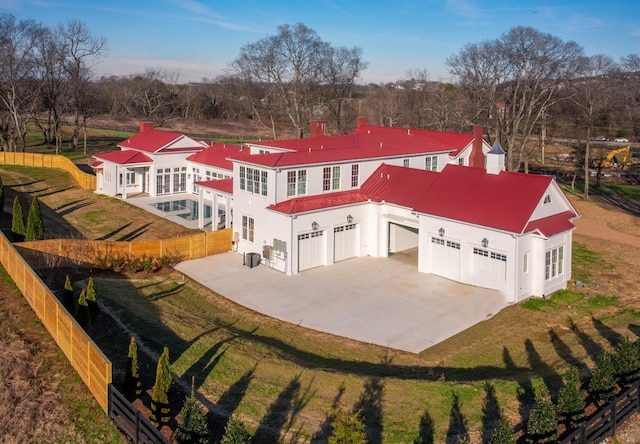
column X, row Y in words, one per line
column 380, row 144
column 309, row 149
column 408, row 131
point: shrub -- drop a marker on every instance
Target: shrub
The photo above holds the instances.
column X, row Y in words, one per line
column 542, row 425
column 626, row 362
column 503, row 434
column 235, row 433
column 193, row 428
column 17, row 221
column 132, row 385
column 133, row 263
column 117, row 263
column 602, row 384
column 348, row 428
column 94, row 310
column 571, row 403
column 67, row 295
column 35, row 224
column 160, row 411
column 83, row 315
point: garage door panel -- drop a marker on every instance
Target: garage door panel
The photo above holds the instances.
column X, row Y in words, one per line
column 489, row 268
column 312, row 250
column 345, row 242
column 446, row 258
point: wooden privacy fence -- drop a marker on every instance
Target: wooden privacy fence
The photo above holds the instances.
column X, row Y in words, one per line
column 93, row 251
column 38, row 160
column 84, row 355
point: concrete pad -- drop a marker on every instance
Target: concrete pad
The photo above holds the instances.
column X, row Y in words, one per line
column 383, row 301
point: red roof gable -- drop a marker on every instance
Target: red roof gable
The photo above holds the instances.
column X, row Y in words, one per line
column 217, row 155
column 152, row 141
column 224, row 185
column 124, row 157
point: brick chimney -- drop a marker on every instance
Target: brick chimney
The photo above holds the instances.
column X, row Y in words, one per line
column 476, row 158
column 146, row 126
column 361, row 121
column 318, row 128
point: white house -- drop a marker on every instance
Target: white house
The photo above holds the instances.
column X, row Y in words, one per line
column 304, row 203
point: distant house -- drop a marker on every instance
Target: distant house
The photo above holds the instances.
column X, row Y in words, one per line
column 304, row 203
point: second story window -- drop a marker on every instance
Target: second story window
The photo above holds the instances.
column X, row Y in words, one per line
column 355, row 175
column 253, row 180
column 296, row 183
column 331, row 178
column 431, row 163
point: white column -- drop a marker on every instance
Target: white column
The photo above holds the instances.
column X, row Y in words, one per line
column 201, row 208
column 228, row 218
column 124, row 183
column 214, row 212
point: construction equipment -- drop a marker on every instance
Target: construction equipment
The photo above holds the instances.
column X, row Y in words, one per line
column 617, row 158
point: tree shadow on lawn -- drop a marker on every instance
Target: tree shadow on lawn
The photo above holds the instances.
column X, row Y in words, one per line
column 71, row 207
column 563, row 350
column 592, row 347
column 370, row 407
column 613, row 337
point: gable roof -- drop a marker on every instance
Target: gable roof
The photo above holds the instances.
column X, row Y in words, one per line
column 502, row 201
column 154, row 141
column 224, row 185
column 217, row 155
column 357, row 147
column 124, row 157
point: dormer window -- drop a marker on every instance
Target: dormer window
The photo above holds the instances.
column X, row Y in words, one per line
column 547, row 199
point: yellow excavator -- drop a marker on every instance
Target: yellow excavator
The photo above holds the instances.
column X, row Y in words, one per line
column 617, row 158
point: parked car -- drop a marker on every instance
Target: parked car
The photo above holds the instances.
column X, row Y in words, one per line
column 621, row 139
column 600, row 138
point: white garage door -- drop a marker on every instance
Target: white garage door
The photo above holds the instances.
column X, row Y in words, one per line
column 445, row 258
column 345, row 242
column 489, row 268
column 312, row 250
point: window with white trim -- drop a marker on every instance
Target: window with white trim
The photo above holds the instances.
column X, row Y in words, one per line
column 131, row 178
column 107, row 176
column 553, row 263
column 431, row 163
column 163, row 181
column 331, row 178
column 355, row 175
column 405, row 163
column 253, row 180
column 180, row 179
column 525, row 263
column 296, row 183
column 461, row 161
column 547, row 199
column 247, row 228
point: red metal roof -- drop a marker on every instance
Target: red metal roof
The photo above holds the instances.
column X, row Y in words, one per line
column 96, row 164
column 152, row 141
column 357, row 147
column 124, row 157
column 551, row 225
column 217, row 155
column 319, row 202
column 224, row 185
column 502, row 201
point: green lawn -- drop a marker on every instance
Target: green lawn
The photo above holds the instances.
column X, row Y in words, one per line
column 278, row 376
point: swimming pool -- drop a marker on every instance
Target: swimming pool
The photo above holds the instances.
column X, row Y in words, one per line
column 184, row 208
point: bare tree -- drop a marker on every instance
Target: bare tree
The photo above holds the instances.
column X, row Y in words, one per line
column 20, row 80
column 524, row 69
column 80, row 50
column 340, row 69
column 288, row 67
column 591, row 94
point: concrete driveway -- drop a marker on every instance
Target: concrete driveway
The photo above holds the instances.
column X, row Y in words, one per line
column 383, row 301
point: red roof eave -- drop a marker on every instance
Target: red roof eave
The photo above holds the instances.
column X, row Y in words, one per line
column 552, row 225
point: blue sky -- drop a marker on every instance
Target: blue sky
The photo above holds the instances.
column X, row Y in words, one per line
column 197, row 39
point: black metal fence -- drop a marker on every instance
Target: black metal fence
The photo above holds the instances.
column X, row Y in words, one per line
column 129, row 419
column 606, row 421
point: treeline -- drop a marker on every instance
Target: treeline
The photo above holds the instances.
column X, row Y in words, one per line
column 524, row 84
